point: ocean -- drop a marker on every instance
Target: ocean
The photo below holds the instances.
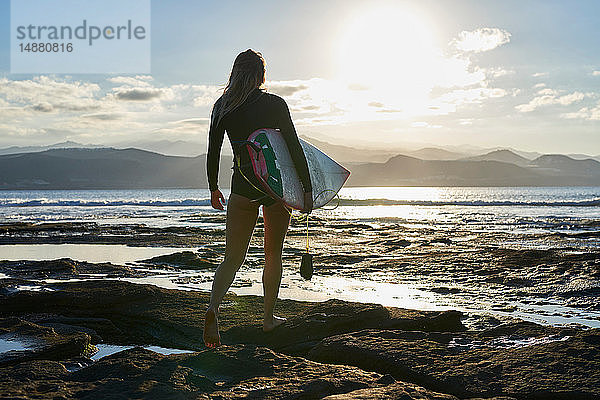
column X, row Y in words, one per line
column 498, row 206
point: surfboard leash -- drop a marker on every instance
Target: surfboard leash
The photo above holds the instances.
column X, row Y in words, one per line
column 306, row 265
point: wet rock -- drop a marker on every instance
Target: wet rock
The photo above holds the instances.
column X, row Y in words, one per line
column 184, row 259
column 442, row 240
column 332, row 317
column 553, row 366
column 130, row 313
column 394, row 243
column 445, row 290
column 67, row 325
column 353, row 226
column 62, row 268
column 40, row 343
column 338, row 260
column 40, row 379
column 421, row 349
column 90, row 232
column 40, row 269
column 247, row 371
column 124, row 312
column 399, row 390
column 35, row 370
column 230, row 372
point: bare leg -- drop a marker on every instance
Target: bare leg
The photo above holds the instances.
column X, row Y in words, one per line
column 241, row 218
column 277, row 220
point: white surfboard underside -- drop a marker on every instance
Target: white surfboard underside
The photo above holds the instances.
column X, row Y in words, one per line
column 327, row 176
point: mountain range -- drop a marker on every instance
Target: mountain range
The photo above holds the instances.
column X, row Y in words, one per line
column 105, row 168
column 67, row 166
column 357, row 153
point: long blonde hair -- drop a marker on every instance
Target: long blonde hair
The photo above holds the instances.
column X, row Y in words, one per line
column 247, row 74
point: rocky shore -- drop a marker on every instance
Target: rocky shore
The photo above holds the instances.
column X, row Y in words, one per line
column 551, row 272
column 332, row 349
column 59, row 317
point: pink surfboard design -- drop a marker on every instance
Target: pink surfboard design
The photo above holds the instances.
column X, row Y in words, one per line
column 275, row 170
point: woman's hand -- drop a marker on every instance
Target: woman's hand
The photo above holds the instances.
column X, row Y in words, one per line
column 217, row 200
column 308, row 203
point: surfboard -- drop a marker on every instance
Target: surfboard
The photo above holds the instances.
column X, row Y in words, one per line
column 275, row 170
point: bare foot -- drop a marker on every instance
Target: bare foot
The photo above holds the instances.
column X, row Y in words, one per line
column 211, row 329
column 268, row 326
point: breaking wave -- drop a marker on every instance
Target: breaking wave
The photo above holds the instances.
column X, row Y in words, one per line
column 103, row 203
column 343, row 202
column 474, row 203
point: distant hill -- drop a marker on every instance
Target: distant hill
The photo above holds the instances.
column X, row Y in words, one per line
column 105, row 168
column 433, row 153
column 166, row 147
column 33, row 149
column 579, row 156
column 349, row 154
column 565, row 165
column 504, row 155
column 183, row 148
column 408, row 171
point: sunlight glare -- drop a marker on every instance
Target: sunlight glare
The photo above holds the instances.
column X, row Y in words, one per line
column 391, row 51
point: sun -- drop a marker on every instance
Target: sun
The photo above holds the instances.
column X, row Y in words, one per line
column 390, row 50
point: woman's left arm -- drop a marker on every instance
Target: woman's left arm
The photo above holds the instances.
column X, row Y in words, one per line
column 216, row 134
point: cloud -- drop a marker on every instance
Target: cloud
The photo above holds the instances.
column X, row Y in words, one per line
column 571, row 98
column 357, row 86
column 202, row 95
column 186, row 131
column 104, row 116
column 77, row 110
column 548, row 92
column 466, row 96
column 139, row 80
column 125, row 106
column 482, row 39
column 16, row 131
column 286, row 89
column 423, row 124
column 310, row 108
column 499, row 72
column 550, row 97
column 328, row 102
column 389, row 110
column 193, row 121
column 540, row 74
column 539, row 85
column 42, row 107
column 45, row 94
column 138, row 94
column 586, row 113
column 425, row 84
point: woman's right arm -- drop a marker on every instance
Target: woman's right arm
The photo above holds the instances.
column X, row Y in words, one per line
column 286, row 127
column 216, row 134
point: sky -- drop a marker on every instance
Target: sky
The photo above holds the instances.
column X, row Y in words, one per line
column 381, row 74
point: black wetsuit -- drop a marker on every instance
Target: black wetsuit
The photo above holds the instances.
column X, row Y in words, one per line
column 260, row 110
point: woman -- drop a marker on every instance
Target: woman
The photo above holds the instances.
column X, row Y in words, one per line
column 242, row 109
